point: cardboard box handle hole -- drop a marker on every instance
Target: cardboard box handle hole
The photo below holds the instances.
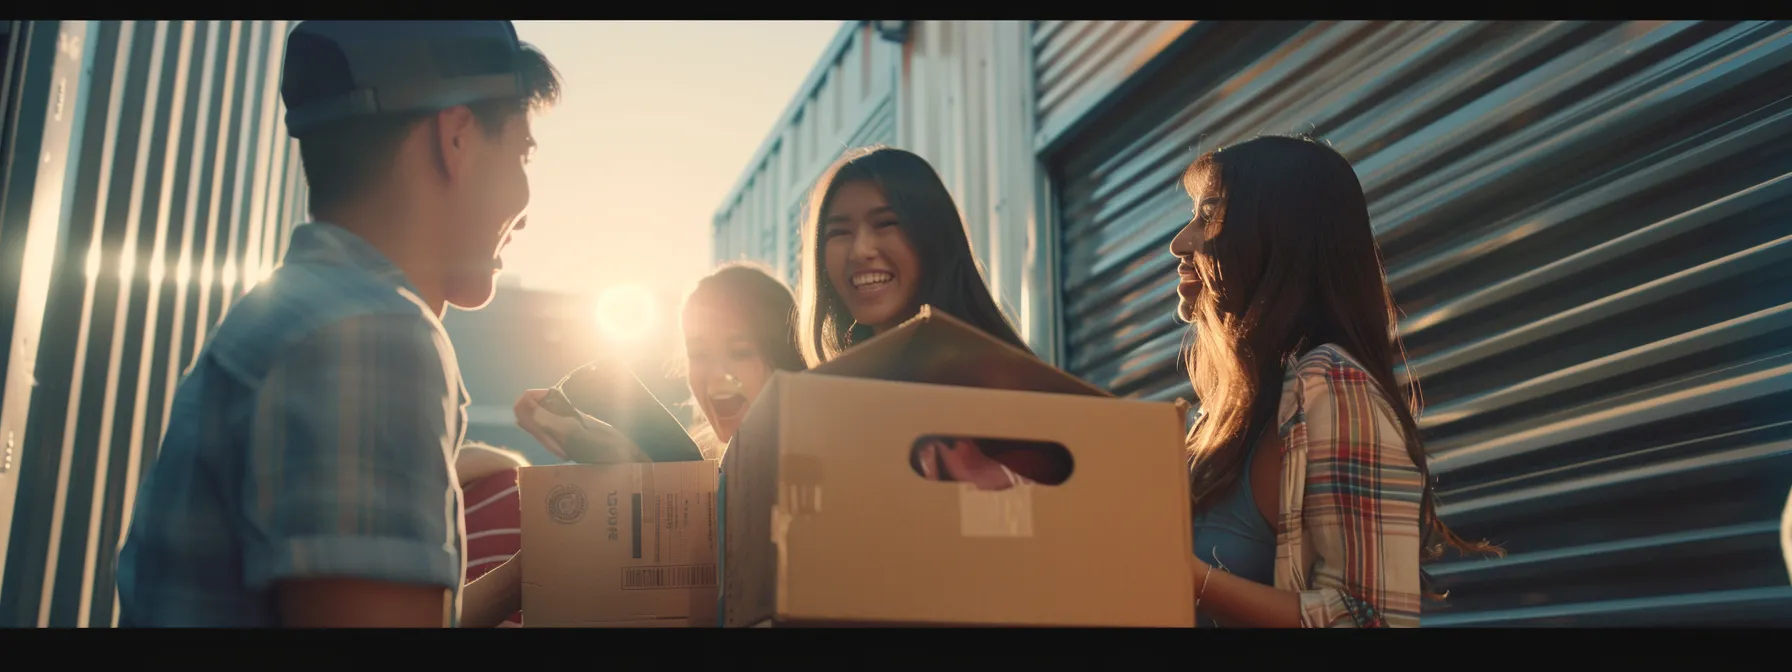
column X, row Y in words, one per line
column 990, row 463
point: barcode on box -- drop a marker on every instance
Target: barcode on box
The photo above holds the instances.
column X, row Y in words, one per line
column 661, row 578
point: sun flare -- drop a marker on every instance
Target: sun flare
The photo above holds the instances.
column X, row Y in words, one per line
column 625, row 312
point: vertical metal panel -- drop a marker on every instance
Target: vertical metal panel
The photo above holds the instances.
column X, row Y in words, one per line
column 177, row 108
column 1587, row 226
column 960, row 94
column 847, row 101
column 967, row 107
column 45, row 95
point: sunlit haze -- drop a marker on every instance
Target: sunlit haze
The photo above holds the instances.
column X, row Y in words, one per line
column 657, row 121
column 626, row 312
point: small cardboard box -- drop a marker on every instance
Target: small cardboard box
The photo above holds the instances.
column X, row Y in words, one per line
column 826, row 522
column 624, row 545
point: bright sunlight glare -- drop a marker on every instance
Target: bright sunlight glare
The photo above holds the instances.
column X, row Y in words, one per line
column 625, row 312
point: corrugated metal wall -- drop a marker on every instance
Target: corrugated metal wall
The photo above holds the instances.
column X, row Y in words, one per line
column 182, row 186
column 966, row 98
column 1082, row 66
column 847, row 101
column 37, row 121
column 1587, row 226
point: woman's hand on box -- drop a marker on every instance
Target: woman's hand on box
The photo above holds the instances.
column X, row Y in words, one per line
column 593, row 441
column 963, row 460
column 584, row 439
column 528, row 409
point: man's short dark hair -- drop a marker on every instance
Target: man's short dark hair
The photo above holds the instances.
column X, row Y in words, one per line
column 344, row 159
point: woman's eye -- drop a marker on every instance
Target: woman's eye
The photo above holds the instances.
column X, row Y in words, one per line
column 887, row 223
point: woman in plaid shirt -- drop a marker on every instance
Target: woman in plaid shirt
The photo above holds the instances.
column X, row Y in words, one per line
column 1309, row 484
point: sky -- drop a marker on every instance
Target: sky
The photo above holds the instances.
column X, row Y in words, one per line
column 657, row 121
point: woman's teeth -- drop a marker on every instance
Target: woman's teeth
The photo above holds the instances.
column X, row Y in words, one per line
column 727, row 386
column 871, row 279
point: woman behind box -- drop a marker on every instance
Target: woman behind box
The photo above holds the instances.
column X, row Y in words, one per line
column 737, row 331
column 882, row 238
column 736, row 326
column 1309, row 483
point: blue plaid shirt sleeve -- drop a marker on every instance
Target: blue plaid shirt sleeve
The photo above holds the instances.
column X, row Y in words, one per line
column 348, row 471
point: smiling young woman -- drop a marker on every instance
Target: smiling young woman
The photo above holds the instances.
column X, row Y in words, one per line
column 883, row 237
column 1313, row 504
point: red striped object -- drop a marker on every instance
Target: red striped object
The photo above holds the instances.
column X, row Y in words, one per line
column 494, row 526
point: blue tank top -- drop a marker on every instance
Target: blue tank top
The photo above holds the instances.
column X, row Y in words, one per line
column 1232, row 536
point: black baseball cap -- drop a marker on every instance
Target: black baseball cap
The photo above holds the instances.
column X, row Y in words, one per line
column 335, row 70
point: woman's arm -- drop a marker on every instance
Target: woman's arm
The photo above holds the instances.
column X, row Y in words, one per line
column 1243, row 603
column 1360, row 494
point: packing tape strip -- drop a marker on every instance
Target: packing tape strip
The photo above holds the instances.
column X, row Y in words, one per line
column 721, row 547
column 995, row 513
column 781, row 518
column 794, row 502
column 800, row 496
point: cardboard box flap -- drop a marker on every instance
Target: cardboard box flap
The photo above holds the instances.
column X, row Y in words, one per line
column 937, row 348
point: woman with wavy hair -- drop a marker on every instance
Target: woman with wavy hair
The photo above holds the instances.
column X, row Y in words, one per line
column 1312, row 500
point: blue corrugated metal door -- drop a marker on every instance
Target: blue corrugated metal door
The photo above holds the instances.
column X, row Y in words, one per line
column 1587, row 225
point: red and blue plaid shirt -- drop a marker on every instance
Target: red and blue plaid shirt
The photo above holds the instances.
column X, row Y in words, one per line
column 1349, row 512
column 315, row 436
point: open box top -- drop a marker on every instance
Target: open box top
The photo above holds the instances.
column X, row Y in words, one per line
column 937, row 348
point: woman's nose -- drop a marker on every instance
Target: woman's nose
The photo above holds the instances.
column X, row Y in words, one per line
column 1183, row 245
column 864, row 246
column 723, row 383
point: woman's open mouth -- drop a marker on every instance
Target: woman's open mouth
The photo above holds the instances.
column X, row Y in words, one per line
column 728, row 406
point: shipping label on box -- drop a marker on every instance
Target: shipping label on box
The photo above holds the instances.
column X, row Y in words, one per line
column 619, row 545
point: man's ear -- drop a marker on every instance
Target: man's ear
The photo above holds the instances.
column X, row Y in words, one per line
column 455, row 128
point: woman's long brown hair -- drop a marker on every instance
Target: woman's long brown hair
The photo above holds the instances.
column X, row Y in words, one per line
column 1289, row 263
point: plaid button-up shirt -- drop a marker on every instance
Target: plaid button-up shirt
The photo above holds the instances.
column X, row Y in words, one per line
column 315, row 436
column 1349, row 533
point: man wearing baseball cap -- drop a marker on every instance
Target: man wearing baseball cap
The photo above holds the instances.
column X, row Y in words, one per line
column 306, row 477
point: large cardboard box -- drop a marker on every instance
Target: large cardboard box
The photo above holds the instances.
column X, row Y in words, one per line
column 624, row 545
column 826, row 522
